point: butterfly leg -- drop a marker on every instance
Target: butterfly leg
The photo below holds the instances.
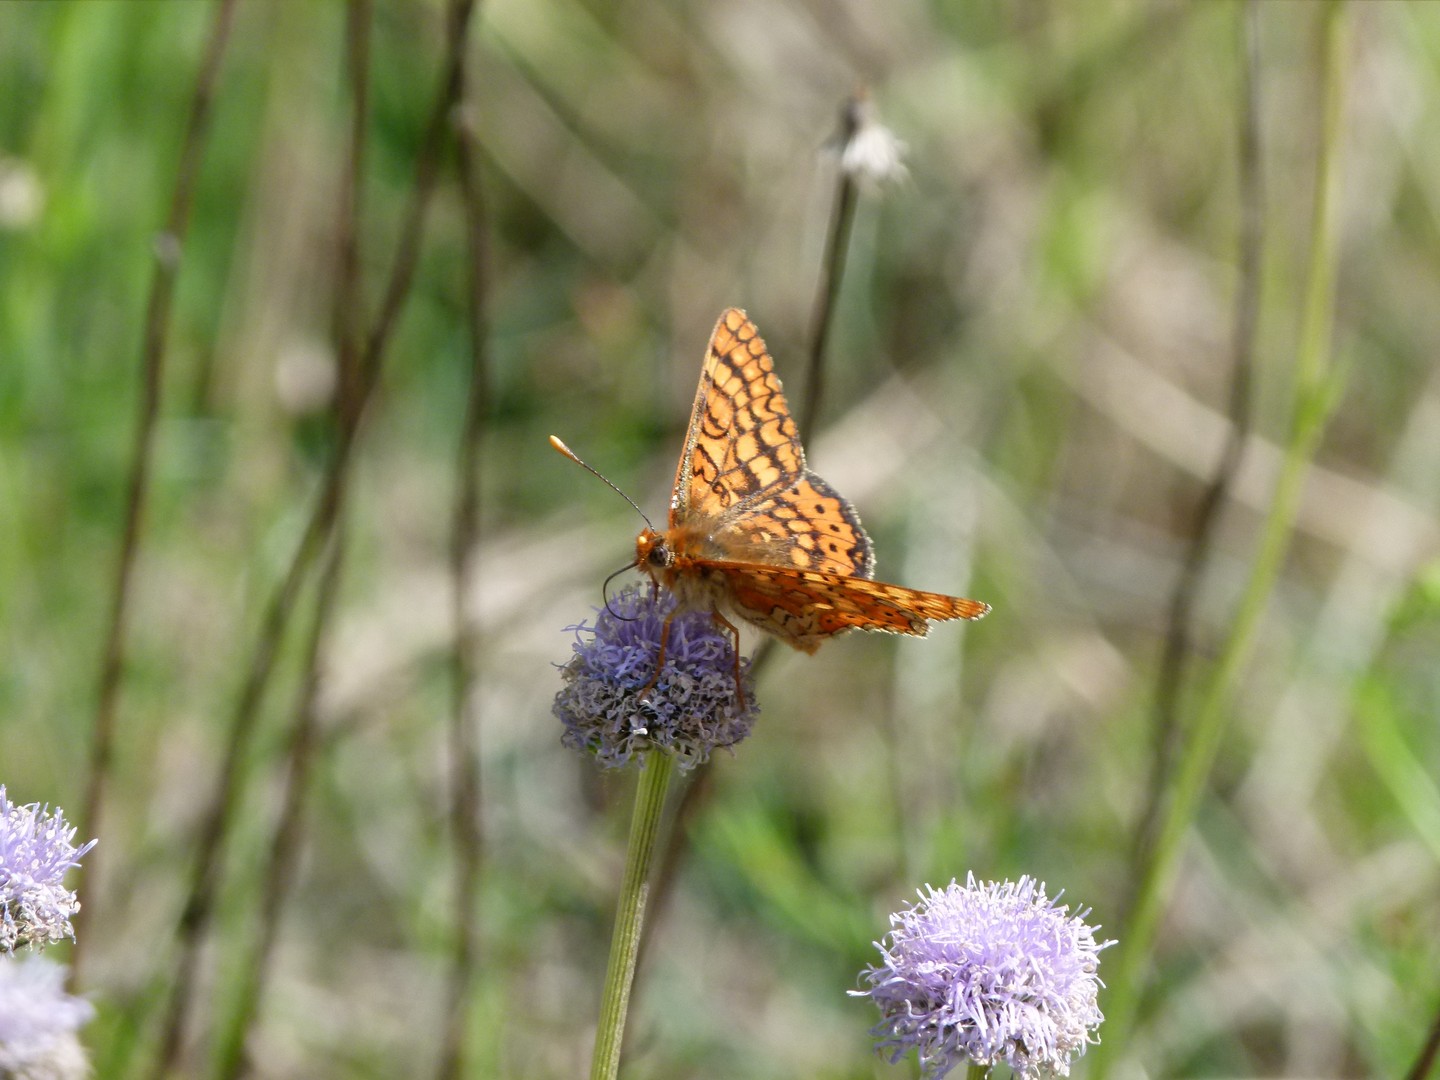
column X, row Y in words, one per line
column 665, row 640
column 735, row 652
column 660, row 659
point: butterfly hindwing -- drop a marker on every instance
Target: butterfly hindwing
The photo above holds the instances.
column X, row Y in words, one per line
column 808, row 525
column 805, row 607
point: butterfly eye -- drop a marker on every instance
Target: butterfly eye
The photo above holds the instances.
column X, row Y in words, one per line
column 659, row 556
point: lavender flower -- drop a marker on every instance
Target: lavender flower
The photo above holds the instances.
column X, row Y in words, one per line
column 691, row 709
column 39, row 1022
column 987, row 973
column 36, row 848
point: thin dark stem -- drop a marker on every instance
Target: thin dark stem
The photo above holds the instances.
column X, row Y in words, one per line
column 219, row 819
column 1425, row 1062
column 279, row 874
column 837, row 246
column 467, row 834
column 1170, row 674
column 169, row 247
column 348, row 315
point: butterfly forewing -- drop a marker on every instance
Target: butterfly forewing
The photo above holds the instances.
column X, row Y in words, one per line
column 742, row 440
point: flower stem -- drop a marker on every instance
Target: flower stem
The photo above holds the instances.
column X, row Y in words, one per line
column 1314, row 396
column 630, row 915
column 467, row 832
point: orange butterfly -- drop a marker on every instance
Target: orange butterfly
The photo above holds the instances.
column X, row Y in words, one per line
column 755, row 533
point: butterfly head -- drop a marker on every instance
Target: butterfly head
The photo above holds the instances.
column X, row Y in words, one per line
column 652, row 554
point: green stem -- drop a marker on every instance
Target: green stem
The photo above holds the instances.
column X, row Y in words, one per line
column 1313, row 398
column 630, row 916
column 976, row 1072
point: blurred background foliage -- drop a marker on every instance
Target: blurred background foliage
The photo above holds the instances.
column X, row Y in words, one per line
column 1025, row 397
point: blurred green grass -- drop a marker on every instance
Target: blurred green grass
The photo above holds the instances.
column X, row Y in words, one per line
column 1025, row 386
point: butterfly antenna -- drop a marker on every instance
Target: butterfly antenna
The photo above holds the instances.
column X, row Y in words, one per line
column 558, row 445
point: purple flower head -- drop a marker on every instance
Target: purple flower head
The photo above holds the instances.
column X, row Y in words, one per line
column 691, row 709
column 987, row 973
column 40, row 1022
column 36, row 848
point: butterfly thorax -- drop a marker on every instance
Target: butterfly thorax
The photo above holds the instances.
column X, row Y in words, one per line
column 677, row 559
